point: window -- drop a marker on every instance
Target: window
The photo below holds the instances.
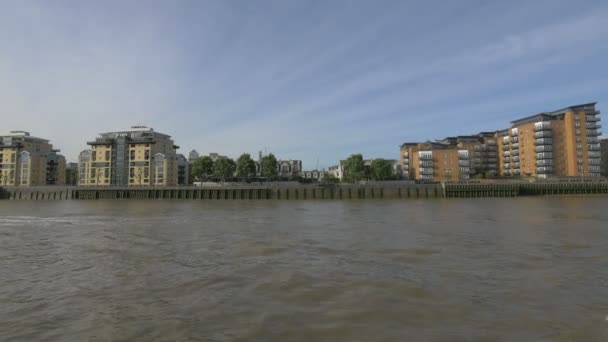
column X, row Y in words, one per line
column 94, row 155
column 107, row 173
column 92, row 173
column 107, row 155
column 13, row 157
column 146, row 172
column 132, row 155
column 147, row 155
column 132, row 172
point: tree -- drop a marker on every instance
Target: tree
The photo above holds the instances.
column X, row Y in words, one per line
column 203, row 168
column 224, row 168
column 354, row 169
column 245, row 166
column 268, row 167
column 381, row 169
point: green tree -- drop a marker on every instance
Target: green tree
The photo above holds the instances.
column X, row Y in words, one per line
column 202, row 168
column 224, row 168
column 245, row 166
column 381, row 169
column 354, row 169
column 268, row 167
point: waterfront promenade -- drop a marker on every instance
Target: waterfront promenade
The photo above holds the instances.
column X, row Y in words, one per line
column 296, row 191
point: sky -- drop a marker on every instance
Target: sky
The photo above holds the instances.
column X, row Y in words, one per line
column 309, row 80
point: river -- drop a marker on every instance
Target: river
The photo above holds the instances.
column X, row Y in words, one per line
column 377, row 270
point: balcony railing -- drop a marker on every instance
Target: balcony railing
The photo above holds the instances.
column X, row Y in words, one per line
column 593, row 133
column 592, row 118
column 594, row 161
column 507, row 159
column 505, row 147
column 425, row 156
column 516, row 165
column 544, row 155
column 516, row 152
column 544, row 162
column 544, row 148
column 507, row 166
column 543, row 141
column 507, row 153
column 426, row 163
column 542, row 126
column 515, row 158
column 593, row 147
column 594, row 154
column 515, row 146
column 543, row 134
column 593, row 140
column 464, row 163
column 544, row 169
column 426, row 171
column 594, row 168
column 593, row 125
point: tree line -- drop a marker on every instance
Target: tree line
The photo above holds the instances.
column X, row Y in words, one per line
column 205, row 168
column 379, row 170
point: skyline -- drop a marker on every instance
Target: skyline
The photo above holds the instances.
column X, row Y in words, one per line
column 304, row 80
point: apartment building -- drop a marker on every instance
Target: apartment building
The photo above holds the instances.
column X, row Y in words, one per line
column 482, row 149
column 183, row 168
column 26, row 160
column 435, row 161
column 139, row 156
column 563, row 143
column 604, row 157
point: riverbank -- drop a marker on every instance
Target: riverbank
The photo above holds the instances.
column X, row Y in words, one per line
column 273, row 191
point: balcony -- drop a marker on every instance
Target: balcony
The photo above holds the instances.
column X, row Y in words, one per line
column 425, row 155
column 594, row 154
column 507, row 159
column 516, row 165
column 593, row 125
column 507, row 172
column 593, row 147
column 507, row 153
column 463, row 155
column 515, row 158
column 505, row 147
column 593, row 140
column 516, row 172
column 543, row 134
column 542, row 126
column 544, row 155
column 507, row 166
column 544, row 162
column 593, row 133
column 426, row 171
column 593, row 118
column 594, row 161
column 426, row 177
column 464, row 163
column 543, row 141
column 514, row 139
column 594, row 169
column 465, row 170
column 426, row 163
column 515, row 146
column 544, row 170
column 516, row 152
column 544, row 148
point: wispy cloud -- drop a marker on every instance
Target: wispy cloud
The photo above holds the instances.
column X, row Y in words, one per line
column 306, row 80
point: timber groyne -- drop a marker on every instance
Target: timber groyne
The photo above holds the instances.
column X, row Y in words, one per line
column 308, row 192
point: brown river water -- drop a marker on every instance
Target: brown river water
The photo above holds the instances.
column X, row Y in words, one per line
column 512, row 269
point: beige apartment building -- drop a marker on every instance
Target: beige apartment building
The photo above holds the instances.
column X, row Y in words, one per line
column 29, row 161
column 135, row 157
column 435, row 161
column 563, row 143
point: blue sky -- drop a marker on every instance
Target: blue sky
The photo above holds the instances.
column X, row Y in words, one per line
column 310, row 80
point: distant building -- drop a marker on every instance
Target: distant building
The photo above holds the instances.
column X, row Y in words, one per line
column 29, row 161
column 562, row 143
column 138, row 156
column 289, row 168
column 435, row 161
column 182, row 170
column 338, row 170
column 193, row 155
column 314, row 174
column 604, row 157
column 71, row 174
